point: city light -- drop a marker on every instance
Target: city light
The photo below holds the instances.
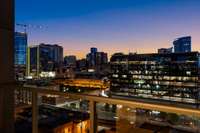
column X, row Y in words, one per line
column 99, row 66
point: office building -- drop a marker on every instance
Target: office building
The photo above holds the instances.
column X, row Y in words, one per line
column 20, row 48
column 168, row 77
column 182, row 44
column 96, row 59
column 70, row 61
column 44, row 58
column 101, row 58
column 33, row 61
column 93, row 50
column 91, row 57
column 50, row 55
column 20, row 53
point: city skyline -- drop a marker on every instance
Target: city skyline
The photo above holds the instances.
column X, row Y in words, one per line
column 150, row 84
column 112, row 26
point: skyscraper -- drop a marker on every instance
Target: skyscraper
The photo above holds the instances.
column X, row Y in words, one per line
column 20, row 52
column 101, row 58
column 96, row 59
column 44, row 58
column 182, row 44
column 91, row 57
column 93, row 50
column 33, row 61
column 51, row 56
column 20, row 48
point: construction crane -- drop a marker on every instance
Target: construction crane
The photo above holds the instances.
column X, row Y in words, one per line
column 27, row 26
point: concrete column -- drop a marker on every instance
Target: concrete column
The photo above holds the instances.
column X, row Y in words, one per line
column 34, row 111
column 6, row 66
column 93, row 117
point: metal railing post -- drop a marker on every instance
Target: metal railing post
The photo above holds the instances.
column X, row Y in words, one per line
column 34, row 111
column 93, row 117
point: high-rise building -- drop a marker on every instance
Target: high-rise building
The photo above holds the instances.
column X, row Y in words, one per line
column 96, row 59
column 33, row 62
column 20, row 52
column 20, row 48
column 44, row 58
column 91, row 57
column 165, row 77
column 182, row 44
column 70, row 61
column 101, row 61
column 51, row 56
column 93, row 50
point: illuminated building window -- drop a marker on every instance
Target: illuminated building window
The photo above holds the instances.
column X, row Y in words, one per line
column 124, row 76
column 115, row 75
column 148, row 86
column 157, row 86
column 188, row 72
column 139, row 85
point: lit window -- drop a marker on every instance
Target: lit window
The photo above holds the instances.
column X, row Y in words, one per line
column 146, row 72
column 115, row 75
column 119, row 106
column 139, row 85
column 188, row 72
column 157, row 86
column 124, row 76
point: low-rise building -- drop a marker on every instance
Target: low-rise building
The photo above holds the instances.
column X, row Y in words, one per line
column 53, row 120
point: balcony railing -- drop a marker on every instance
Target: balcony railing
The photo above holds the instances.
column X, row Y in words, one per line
column 35, row 91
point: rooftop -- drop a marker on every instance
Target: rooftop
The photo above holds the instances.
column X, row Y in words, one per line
column 49, row 116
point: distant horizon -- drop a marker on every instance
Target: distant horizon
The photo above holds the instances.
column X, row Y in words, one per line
column 110, row 54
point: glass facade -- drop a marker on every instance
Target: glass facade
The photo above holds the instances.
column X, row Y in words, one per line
column 45, row 58
column 182, row 44
column 20, row 48
column 171, row 77
column 51, row 57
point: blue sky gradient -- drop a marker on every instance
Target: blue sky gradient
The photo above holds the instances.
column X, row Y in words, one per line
column 110, row 25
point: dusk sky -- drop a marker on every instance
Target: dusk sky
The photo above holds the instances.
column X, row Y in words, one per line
column 110, row 25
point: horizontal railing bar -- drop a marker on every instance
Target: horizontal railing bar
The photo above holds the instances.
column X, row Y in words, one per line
column 128, row 103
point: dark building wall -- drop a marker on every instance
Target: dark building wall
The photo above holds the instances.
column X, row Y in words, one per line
column 81, row 64
column 96, row 59
column 70, row 61
column 165, row 50
column 7, row 65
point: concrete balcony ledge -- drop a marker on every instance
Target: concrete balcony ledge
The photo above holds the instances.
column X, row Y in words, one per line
column 118, row 101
